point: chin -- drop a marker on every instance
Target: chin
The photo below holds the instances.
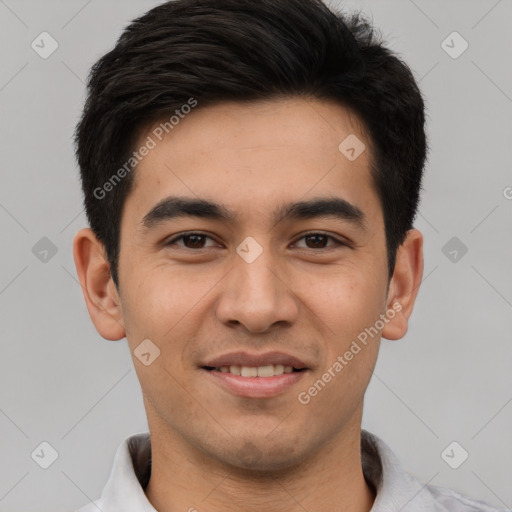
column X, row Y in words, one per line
column 259, row 459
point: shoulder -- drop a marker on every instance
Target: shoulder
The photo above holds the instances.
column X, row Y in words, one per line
column 449, row 500
column 398, row 490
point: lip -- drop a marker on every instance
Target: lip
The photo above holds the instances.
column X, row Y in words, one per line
column 255, row 387
column 246, row 359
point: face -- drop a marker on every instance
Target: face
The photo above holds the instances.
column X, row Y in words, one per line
column 285, row 266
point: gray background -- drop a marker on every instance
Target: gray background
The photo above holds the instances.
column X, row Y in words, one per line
column 448, row 380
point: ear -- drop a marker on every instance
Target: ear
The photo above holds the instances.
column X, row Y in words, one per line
column 100, row 293
column 404, row 285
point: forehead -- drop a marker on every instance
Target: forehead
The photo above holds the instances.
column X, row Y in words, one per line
column 251, row 155
column 304, row 125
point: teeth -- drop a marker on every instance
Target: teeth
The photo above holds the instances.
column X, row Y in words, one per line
column 261, row 371
column 235, row 370
column 248, row 371
column 278, row 369
column 264, row 371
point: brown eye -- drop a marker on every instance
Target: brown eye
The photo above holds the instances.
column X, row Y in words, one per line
column 190, row 241
column 319, row 241
column 316, row 241
column 193, row 241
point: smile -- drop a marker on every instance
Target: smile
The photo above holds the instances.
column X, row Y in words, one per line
column 254, row 382
column 270, row 370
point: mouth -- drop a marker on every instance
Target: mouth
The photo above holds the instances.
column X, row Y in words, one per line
column 270, row 370
column 255, row 376
column 255, row 365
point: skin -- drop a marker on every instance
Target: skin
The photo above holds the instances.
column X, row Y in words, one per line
column 212, row 450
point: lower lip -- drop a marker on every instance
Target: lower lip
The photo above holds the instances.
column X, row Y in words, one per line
column 256, row 387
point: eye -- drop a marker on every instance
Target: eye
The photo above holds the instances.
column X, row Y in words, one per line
column 319, row 241
column 191, row 240
column 196, row 240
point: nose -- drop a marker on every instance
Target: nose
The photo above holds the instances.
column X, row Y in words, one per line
column 257, row 296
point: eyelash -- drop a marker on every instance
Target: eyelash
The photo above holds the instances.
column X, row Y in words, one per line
column 338, row 243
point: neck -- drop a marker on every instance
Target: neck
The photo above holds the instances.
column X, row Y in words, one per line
column 184, row 479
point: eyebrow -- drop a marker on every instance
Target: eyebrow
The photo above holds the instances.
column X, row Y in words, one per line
column 175, row 207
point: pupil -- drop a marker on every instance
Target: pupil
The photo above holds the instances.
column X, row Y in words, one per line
column 316, row 238
column 196, row 240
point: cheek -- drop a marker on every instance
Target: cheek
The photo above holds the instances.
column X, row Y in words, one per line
column 348, row 299
column 164, row 309
column 156, row 302
column 349, row 309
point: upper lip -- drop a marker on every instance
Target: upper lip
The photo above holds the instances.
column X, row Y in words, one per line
column 246, row 359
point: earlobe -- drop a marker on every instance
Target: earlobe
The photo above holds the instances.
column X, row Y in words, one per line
column 100, row 293
column 404, row 285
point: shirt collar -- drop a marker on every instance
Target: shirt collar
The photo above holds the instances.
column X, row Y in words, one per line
column 130, row 475
column 395, row 489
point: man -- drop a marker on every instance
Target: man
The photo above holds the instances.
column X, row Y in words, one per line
column 251, row 173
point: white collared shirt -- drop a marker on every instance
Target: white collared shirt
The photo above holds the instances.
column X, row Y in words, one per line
column 396, row 490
